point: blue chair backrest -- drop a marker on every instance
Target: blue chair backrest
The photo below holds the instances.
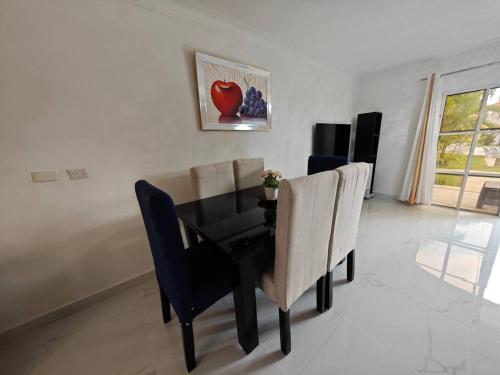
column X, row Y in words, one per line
column 165, row 239
column 317, row 163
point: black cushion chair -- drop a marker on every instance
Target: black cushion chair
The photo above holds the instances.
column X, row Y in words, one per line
column 190, row 279
column 318, row 163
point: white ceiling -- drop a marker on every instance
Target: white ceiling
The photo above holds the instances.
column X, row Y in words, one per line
column 364, row 35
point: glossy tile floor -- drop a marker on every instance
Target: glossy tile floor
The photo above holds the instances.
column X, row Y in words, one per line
column 426, row 299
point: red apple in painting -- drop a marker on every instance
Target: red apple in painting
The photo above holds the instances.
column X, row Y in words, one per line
column 227, row 97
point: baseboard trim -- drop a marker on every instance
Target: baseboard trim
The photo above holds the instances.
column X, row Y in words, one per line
column 386, row 196
column 73, row 307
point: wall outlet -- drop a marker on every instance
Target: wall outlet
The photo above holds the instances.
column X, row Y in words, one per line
column 77, row 173
column 44, row 176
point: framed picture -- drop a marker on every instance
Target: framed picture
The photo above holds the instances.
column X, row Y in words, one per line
column 233, row 96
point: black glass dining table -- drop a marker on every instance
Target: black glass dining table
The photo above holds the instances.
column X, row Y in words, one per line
column 242, row 224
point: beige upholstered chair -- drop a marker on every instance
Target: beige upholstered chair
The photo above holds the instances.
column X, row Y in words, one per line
column 213, row 179
column 348, row 202
column 303, row 226
column 247, row 172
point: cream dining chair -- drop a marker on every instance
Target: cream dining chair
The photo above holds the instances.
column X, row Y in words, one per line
column 303, row 226
column 213, row 179
column 348, row 202
column 248, row 172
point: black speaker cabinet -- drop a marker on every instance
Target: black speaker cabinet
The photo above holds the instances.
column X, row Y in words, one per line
column 332, row 139
column 367, row 137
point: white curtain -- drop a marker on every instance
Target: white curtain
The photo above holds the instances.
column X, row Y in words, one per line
column 419, row 177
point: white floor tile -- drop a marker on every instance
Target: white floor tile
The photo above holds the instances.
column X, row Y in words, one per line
column 349, row 351
column 426, row 299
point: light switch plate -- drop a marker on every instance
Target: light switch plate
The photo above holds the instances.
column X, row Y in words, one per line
column 44, row 176
column 77, row 173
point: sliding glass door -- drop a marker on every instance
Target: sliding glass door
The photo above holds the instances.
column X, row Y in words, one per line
column 468, row 152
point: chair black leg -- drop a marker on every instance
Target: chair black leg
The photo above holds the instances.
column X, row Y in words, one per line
column 165, row 306
column 320, row 294
column 286, row 345
column 328, row 290
column 188, row 343
column 350, row 265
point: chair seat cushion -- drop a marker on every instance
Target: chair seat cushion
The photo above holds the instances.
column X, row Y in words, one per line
column 211, row 274
column 265, row 273
column 266, row 283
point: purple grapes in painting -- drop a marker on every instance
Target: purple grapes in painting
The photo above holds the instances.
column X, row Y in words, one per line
column 253, row 104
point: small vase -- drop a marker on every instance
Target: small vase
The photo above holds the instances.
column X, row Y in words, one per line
column 271, row 193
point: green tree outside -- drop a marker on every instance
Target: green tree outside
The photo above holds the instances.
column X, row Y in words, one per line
column 460, row 114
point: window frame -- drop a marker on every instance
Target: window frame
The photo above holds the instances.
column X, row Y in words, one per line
column 475, row 132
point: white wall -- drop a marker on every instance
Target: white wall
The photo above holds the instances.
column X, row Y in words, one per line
column 110, row 86
column 398, row 94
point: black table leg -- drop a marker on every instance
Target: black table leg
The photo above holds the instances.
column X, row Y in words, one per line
column 191, row 237
column 245, row 304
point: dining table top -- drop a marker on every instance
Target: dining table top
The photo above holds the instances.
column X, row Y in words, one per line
column 240, row 222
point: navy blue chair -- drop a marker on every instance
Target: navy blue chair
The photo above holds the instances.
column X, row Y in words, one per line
column 317, row 163
column 190, row 279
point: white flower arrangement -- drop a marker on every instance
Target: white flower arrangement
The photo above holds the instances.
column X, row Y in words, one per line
column 271, row 178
